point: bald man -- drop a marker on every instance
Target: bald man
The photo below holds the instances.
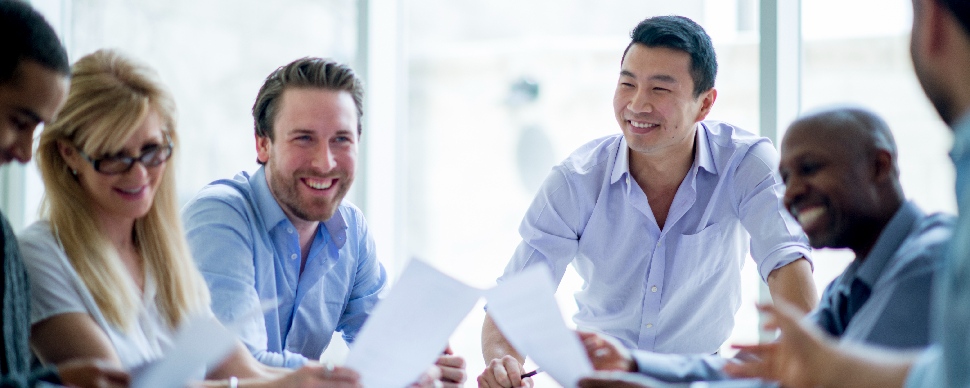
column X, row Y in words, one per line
column 842, row 185
column 940, row 48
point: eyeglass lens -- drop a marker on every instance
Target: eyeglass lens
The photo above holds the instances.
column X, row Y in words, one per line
column 152, row 156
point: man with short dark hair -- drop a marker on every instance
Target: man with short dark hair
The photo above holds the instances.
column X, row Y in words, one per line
column 33, row 86
column 285, row 234
column 842, row 183
column 658, row 220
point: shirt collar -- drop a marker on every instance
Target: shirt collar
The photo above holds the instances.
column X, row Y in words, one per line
column 337, row 227
column 888, row 242
column 622, row 164
column 273, row 215
column 703, row 157
column 961, row 138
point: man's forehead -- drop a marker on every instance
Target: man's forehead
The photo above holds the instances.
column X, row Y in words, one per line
column 640, row 52
column 817, row 138
column 34, row 91
column 308, row 108
column 658, row 64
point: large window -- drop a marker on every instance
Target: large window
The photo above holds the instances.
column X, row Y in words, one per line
column 470, row 103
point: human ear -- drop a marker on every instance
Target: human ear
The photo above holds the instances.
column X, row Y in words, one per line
column 707, row 102
column 884, row 166
column 69, row 154
column 263, row 147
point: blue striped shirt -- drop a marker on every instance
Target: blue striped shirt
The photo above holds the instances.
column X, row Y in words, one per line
column 674, row 290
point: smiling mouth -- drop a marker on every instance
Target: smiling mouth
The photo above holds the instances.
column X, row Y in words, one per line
column 809, row 217
column 319, row 184
column 640, row 125
column 132, row 191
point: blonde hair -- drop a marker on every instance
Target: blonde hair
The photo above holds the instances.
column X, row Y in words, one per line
column 110, row 95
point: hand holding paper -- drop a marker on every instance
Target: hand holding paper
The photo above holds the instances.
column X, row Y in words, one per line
column 409, row 329
column 199, row 342
column 525, row 309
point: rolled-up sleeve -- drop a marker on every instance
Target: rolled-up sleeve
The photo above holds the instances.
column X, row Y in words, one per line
column 680, row 368
column 928, row 370
column 776, row 239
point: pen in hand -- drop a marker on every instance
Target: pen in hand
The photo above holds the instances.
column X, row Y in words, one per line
column 533, row 373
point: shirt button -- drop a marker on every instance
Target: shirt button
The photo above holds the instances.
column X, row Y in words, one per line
column 653, row 289
column 658, row 244
column 289, row 230
column 293, row 256
column 649, row 325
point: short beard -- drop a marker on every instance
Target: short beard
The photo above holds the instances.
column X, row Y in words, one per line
column 288, row 196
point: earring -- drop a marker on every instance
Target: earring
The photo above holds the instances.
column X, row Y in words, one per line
column 73, row 172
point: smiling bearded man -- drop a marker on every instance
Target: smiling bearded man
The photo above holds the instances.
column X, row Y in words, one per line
column 284, row 233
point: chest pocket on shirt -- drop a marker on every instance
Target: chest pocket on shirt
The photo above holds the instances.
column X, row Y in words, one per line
column 699, row 256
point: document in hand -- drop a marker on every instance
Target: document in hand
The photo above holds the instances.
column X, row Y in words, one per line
column 525, row 309
column 410, row 327
column 202, row 341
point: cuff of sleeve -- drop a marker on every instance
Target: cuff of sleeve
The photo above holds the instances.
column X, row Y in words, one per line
column 783, row 256
column 680, row 368
column 47, row 374
column 294, row 361
column 926, row 371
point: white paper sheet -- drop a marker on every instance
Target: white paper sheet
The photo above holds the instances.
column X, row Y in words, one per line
column 199, row 342
column 410, row 327
column 525, row 309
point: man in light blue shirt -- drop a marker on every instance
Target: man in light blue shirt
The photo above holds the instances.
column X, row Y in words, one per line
column 658, row 220
column 940, row 47
column 843, row 185
column 284, row 234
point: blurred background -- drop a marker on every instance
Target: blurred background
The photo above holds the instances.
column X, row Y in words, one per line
column 470, row 103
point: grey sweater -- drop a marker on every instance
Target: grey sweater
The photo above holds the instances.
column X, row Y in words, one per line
column 16, row 357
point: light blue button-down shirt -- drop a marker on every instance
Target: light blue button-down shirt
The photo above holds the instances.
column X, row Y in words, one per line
column 947, row 363
column 674, row 290
column 900, row 270
column 249, row 251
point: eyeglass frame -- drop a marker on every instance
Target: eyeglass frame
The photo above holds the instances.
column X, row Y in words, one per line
column 130, row 160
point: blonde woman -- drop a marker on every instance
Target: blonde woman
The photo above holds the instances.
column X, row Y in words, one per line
column 109, row 263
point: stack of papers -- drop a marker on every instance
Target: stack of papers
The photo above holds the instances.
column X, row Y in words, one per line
column 410, row 328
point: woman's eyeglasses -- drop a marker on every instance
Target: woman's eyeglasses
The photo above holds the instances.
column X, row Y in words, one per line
column 151, row 156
